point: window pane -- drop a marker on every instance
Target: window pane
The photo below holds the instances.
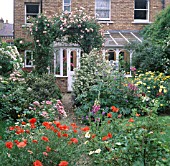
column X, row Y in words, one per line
column 140, row 14
column 57, row 62
column 141, row 4
column 67, row 1
column 111, row 55
column 102, row 4
column 67, row 8
column 32, row 9
column 64, row 62
column 28, row 58
column 102, row 13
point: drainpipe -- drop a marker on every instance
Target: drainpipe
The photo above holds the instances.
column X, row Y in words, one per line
column 41, row 6
column 163, row 4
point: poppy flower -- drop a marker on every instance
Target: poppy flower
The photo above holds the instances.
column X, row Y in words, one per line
column 85, row 129
column 114, row 109
column 57, row 123
column 48, row 149
column 131, row 120
column 59, row 135
column 32, row 126
column 93, row 136
column 75, row 131
column 109, row 135
column 21, row 145
column 45, row 139
column 37, row 163
column 65, row 135
column 74, row 140
column 34, row 141
column 63, row 163
column 137, row 114
column 23, row 123
column 32, row 121
column 9, row 145
column 11, row 128
column 27, row 131
column 16, row 141
column 105, row 138
column 109, row 115
column 45, row 153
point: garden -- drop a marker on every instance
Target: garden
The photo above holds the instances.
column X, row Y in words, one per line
column 118, row 120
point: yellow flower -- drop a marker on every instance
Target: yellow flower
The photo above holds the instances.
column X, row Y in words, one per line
column 91, row 152
column 148, row 87
column 87, row 135
column 86, row 142
column 160, row 90
column 161, row 105
column 165, row 90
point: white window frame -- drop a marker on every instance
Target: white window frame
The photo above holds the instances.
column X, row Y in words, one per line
column 25, row 58
column 103, row 19
column 31, row 13
column 147, row 14
column 67, row 5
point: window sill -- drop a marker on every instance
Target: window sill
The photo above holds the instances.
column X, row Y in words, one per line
column 60, row 76
column 141, row 22
column 105, row 22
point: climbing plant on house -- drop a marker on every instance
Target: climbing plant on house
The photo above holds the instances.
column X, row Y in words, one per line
column 75, row 27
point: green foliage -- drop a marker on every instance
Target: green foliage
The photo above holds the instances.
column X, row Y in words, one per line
column 149, row 57
column 133, row 141
column 158, row 31
column 75, row 27
column 17, row 93
column 153, row 53
column 42, row 87
column 21, row 44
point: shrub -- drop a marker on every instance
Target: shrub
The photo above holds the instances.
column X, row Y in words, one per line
column 9, row 60
column 17, row 93
column 42, row 87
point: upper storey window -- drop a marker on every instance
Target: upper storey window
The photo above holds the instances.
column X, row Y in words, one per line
column 141, row 11
column 103, row 8
column 67, row 5
column 31, row 10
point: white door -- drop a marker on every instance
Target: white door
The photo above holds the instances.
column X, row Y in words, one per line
column 73, row 61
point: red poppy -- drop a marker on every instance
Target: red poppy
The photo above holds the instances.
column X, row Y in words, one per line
column 27, row 131
column 74, row 140
column 109, row 115
column 65, row 135
column 11, row 128
column 93, row 136
column 64, row 127
column 37, row 163
column 32, row 121
column 108, row 121
column 75, row 131
column 19, row 131
column 16, row 141
column 46, row 124
column 32, row 126
column 21, row 145
column 74, row 126
column 137, row 114
column 109, row 135
column 114, row 109
column 131, row 120
column 9, row 145
column 57, row 123
column 105, row 138
column 63, row 163
column 48, row 149
column 45, row 139
column 34, row 141
column 23, row 123
column 85, row 129
column 59, row 135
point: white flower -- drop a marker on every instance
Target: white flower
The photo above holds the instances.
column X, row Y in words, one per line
column 91, row 152
column 98, row 151
column 87, row 135
column 118, row 143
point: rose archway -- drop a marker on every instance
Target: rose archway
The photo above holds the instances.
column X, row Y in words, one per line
column 75, row 27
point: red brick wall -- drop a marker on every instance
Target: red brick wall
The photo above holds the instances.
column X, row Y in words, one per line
column 122, row 13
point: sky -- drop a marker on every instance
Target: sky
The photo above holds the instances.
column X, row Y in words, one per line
column 6, row 10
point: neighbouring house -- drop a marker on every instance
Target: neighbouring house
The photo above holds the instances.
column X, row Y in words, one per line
column 6, row 32
column 122, row 21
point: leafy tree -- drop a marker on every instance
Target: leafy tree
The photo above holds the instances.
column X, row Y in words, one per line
column 154, row 52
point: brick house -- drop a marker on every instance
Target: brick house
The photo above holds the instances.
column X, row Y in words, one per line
column 6, row 32
column 122, row 20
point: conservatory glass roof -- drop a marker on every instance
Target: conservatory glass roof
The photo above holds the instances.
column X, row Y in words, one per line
column 115, row 38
